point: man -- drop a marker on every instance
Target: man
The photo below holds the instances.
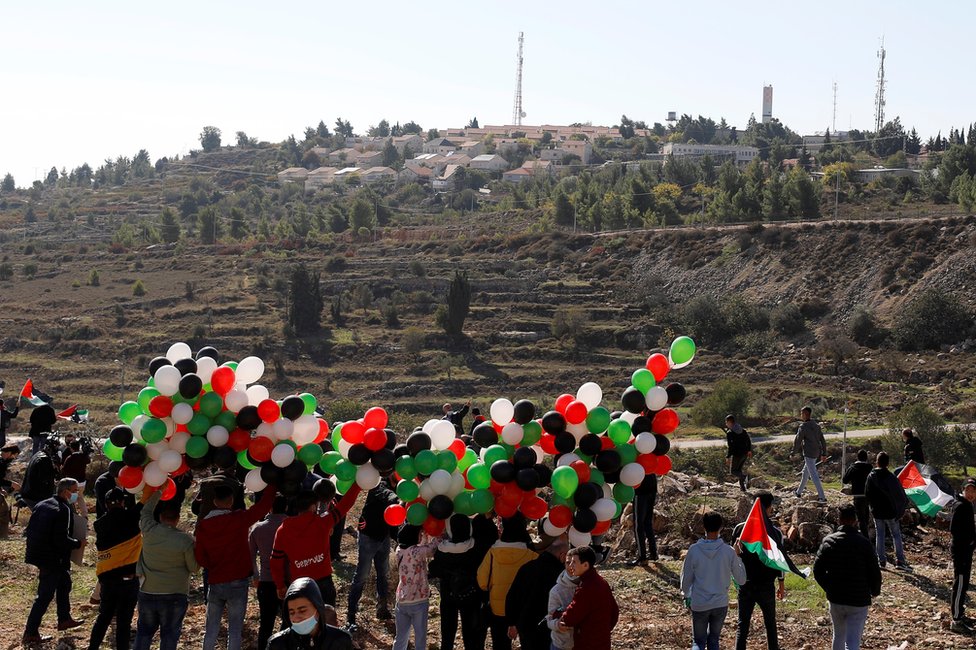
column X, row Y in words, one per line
column 75, row 465
column 739, row 450
column 66, row 449
column 888, row 501
column 645, row 498
column 165, row 565
column 705, row 577
column 104, row 484
column 301, row 545
column 497, row 571
column 759, row 588
column 593, row 612
column 374, row 549
column 49, row 546
column 525, row 604
column 963, row 529
column 222, row 550
column 913, row 447
column 5, row 417
column 119, row 542
column 8, row 454
column 456, row 417
column 260, row 540
column 810, row 442
column 856, row 476
column 455, row 565
column 476, row 419
column 203, row 501
column 42, row 419
column 39, row 479
column 309, row 615
column 846, row 570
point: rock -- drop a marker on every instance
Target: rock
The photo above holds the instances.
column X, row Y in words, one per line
column 743, row 507
column 661, row 522
column 695, row 526
column 910, row 518
column 805, row 514
column 792, row 534
column 810, row 535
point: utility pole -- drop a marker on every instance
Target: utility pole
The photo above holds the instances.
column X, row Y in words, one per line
column 833, row 124
column 837, row 194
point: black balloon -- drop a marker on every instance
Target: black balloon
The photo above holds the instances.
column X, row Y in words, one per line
column 608, row 460
column 524, row 411
column 324, row 489
column 383, row 460
column 440, row 507
column 390, row 438
column 485, row 434
column 158, row 363
column 191, row 385
column 200, row 463
column 545, row 474
column 326, row 446
column 248, row 418
column 524, row 457
column 612, row 477
column 224, row 457
column 186, row 366
column 503, row 471
column 359, row 454
column 584, row 520
column 417, row 442
column 590, row 444
column 208, row 351
column 134, row 454
column 587, row 494
column 633, row 400
column 641, row 424
column 120, row 436
column 271, row 474
column 527, row 478
column 676, row 393
column 115, row 467
column 296, row 471
column 400, row 450
column 565, row 443
column 554, row 422
column 292, row 407
column 663, row 444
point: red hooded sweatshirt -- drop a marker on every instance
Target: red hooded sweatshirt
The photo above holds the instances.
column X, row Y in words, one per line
column 221, row 540
column 593, row 613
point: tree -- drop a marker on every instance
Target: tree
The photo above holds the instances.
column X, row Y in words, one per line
column 322, row 130
column 931, row 320
column 362, row 215
column 391, row 157
column 727, row 396
column 304, row 300
column 209, row 223
column 453, row 314
column 913, row 145
column 413, row 342
column 802, row 195
column 362, row 297
column 412, row 127
column 52, row 177
column 473, row 124
column 626, row 128
column 8, row 183
column 433, row 134
column 244, row 142
column 170, row 230
column 381, row 130
column 564, row 209
column 343, row 128
column 210, row 138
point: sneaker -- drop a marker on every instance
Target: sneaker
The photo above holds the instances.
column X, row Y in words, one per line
column 903, row 566
column 70, row 624
column 960, row 627
column 821, row 502
column 31, row 640
column 637, row 561
column 882, row 565
column 351, row 628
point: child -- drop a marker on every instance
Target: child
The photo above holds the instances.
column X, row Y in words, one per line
column 412, row 592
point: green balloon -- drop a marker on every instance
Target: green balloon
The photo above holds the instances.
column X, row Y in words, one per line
column 230, row 364
column 211, row 404
column 129, row 411
column 467, row 460
column 559, row 501
column 407, row 490
column 310, row 454
column 329, row 461
column 623, row 493
column 153, row 430
column 343, row 486
column 628, row 453
column 145, row 396
column 494, row 454
column 597, row 420
column 199, row 424
column 345, row 471
column 151, row 382
column 509, row 449
column 479, row 476
column 584, row 457
column 446, row 460
column 643, row 380
column 336, row 435
column 620, row 509
column 111, row 451
column 464, row 503
column 596, row 476
column 243, row 460
column 565, row 480
column 619, row 431
column 197, row 447
column 291, row 443
column 406, row 467
column 417, row 514
column 310, row 403
column 482, row 501
column 227, row 420
column 682, row 350
column 531, row 433
column 425, row 462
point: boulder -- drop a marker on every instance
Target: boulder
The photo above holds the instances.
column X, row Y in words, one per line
column 805, row 514
column 695, row 526
column 809, row 536
column 660, row 523
column 743, row 507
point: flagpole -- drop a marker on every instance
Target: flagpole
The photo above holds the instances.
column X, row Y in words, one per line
column 843, row 454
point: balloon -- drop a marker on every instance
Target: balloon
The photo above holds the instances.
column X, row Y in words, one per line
column 416, row 513
column 604, row 509
column 493, row 454
column 564, row 481
column 292, row 407
column 395, row 515
column 512, row 433
column 582, row 470
column 217, row 436
column 249, row 370
column 446, row 460
column 482, row 500
column 584, row 520
column 442, row 434
column 502, row 411
column 503, row 471
column 479, row 476
column 282, row 455
column 562, row 402
column 440, row 481
column 222, row 380
column 485, row 435
column 205, row 369
column 197, row 447
column 170, row 460
column 552, row 530
column 575, row 412
column 633, row 400
column 179, row 351
column 587, row 494
column 190, row 385
column 120, row 436
column 269, row 411
column 565, row 443
column 619, row 431
column 554, row 422
column 534, row 508
column 597, row 420
column 310, row 454
column 523, row 411
column 658, row 364
column 561, row 516
column 155, row 449
column 367, row 477
column 247, row 418
column 152, row 473
column 590, row 444
column 167, row 381
column 235, row 400
column 663, row 465
column 145, row 397
column 609, row 460
column 657, row 398
column 682, row 352
column 640, row 424
column 407, row 491
column 418, row 441
column 531, row 433
column 405, row 467
column 623, row 493
column 283, row 429
column 643, row 380
column 359, row 454
column 128, row 411
column 662, row 444
column 578, row 538
column 111, row 451
column 134, row 455
column 648, row 462
column 157, row 363
column 645, row 443
column 181, row 413
column 665, row 421
column 590, row 394
column 198, row 425
column 376, row 418
column 676, row 393
column 375, row 439
column 253, row 481
column 129, row 477
column 632, row 474
column 153, row 430
column 260, row 449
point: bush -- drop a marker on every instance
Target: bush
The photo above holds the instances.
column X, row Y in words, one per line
column 413, row 342
column 814, row 307
column 728, row 396
column 93, row 279
column 30, row 270
column 138, row 289
column 863, row 329
column 569, row 323
column 931, row 320
column 6, row 271
column 344, row 410
column 417, row 268
column 787, row 320
column 704, row 321
column 928, row 426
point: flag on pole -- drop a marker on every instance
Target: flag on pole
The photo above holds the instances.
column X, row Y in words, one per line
column 923, row 492
column 755, row 537
column 27, row 394
column 74, row 414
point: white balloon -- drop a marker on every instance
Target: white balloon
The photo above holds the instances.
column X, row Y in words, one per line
column 170, row 426
column 137, row 423
column 604, row 509
column 178, row 442
column 282, row 455
column 590, row 394
column 442, row 434
column 551, row 530
column 249, row 370
column 265, row 430
column 344, row 446
column 502, row 411
column 257, row 394
column 577, row 538
column 539, row 454
column 512, row 433
column 657, row 398
column 167, row 380
column 567, row 459
column 283, row 428
column 367, row 476
column 205, row 368
column 235, row 400
column 253, row 481
column 170, row 460
column 427, row 491
column 306, row 428
column 645, row 442
column 607, row 491
column 182, row 412
column 217, row 436
column 241, row 386
column 179, row 351
column 578, row 430
column 429, row 425
column 137, row 489
column 153, row 474
column 155, row 449
column 440, row 481
column 632, row 474
column 457, row 485
column 629, row 417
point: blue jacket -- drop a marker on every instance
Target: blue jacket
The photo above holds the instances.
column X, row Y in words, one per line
column 705, row 575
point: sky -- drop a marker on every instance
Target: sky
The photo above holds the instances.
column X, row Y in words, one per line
column 83, row 82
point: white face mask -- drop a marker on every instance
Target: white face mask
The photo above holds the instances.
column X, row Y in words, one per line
column 305, row 627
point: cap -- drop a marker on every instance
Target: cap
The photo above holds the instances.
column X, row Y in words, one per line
column 969, row 482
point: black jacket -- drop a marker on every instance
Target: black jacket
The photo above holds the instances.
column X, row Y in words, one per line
column 371, row 521
column 328, row 638
column 6, row 416
column 857, row 475
column 648, row 487
column 456, row 565
column 103, row 484
column 457, row 419
column 739, row 442
column 528, row 597
column 963, row 528
column 39, row 478
column 757, row 572
column 913, row 450
column 41, row 420
column 485, row 534
column 847, row 568
column 885, row 494
column 4, row 467
column 49, row 535
column 115, row 527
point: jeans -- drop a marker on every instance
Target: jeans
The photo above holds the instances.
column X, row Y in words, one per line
column 376, row 553
column 407, row 616
column 269, row 608
column 38, row 443
column 163, row 612
column 327, row 589
column 706, row 627
column 879, row 539
column 810, row 471
column 848, row 624
column 764, row 595
column 51, row 582
column 231, row 596
column 863, row 513
column 468, row 609
column 962, row 566
column 118, row 602
column 644, row 526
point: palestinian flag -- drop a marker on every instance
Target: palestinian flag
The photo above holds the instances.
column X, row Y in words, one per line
column 74, row 414
column 923, row 492
column 755, row 537
column 27, row 395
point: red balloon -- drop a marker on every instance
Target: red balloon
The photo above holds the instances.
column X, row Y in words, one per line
column 600, row 528
column 260, row 448
column 561, row 516
column 663, row 465
column 665, row 421
column 434, row 527
column 548, row 443
column 169, row 490
column 606, row 442
column 563, row 401
column 582, row 470
column 658, row 364
column 511, row 494
column 575, row 412
column 353, row 432
column 496, row 488
column 534, row 507
column 648, row 462
column 222, row 380
column 129, row 477
column 182, row 469
column 497, row 427
column 161, row 406
column 395, row 515
column 375, row 439
column 269, row 410
column 375, row 418
column 239, row 440
column 180, row 428
column 505, row 509
column 457, row 448
column 324, row 431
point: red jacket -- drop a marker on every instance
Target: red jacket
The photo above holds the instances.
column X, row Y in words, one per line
column 593, row 613
column 301, row 545
column 221, row 540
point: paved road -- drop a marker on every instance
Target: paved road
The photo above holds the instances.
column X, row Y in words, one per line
column 765, row 440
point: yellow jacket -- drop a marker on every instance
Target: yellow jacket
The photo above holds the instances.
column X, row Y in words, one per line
column 498, row 569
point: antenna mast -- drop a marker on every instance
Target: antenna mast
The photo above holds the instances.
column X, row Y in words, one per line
column 879, row 99
column 517, row 112
column 833, row 125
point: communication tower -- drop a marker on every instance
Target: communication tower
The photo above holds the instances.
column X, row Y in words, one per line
column 518, row 113
column 879, row 98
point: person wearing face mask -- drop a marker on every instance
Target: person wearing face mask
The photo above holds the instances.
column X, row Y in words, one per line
column 560, row 596
column 49, row 546
column 308, row 617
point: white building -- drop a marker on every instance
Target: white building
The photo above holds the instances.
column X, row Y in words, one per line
column 489, row 162
column 741, row 154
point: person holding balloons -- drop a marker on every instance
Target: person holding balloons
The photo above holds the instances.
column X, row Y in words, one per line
column 497, row 572
column 413, row 590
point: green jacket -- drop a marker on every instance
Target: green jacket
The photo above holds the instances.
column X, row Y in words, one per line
column 167, row 559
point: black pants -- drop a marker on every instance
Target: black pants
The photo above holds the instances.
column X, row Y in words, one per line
column 335, row 539
column 764, row 595
column 269, row 608
column 738, row 469
column 538, row 637
column 644, row 526
column 863, row 514
column 51, row 582
column 468, row 611
column 119, row 602
column 327, row 587
column 962, row 566
column 499, row 633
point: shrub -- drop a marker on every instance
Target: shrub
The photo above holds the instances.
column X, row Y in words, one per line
column 863, row 329
column 569, row 323
column 703, row 318
column 417, row 268
column 413, row 342
column 931, row 320
column 30, row 270
column 93, row 279
column 6, row 271
column 344, row 410
column 814, row 307
column 787, row 320
column 138, row 289
column 928, row 426
column 727, row 396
